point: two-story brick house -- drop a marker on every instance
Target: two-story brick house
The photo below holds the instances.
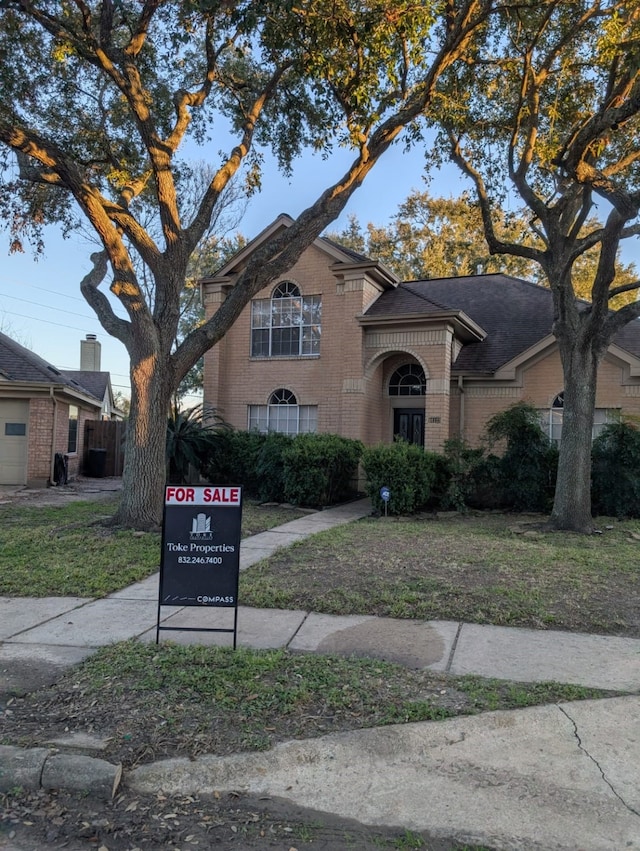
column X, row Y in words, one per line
column 339, row 345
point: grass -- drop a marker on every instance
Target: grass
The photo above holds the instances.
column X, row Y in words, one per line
column 153, row 701
column 484, row 568
column 70, row 550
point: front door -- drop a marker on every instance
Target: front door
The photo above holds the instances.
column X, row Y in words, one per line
column 408, row 423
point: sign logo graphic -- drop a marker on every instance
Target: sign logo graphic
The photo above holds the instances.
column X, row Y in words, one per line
column 201, row 528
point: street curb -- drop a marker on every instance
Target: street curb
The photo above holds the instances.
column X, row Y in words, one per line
column 41, row 768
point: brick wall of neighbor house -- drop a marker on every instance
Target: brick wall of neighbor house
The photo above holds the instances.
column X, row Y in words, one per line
column 40, row 434
column 74, row 460
column 42, row 414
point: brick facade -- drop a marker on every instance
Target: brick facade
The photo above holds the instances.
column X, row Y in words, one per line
column 46, row 415
column 363, row 342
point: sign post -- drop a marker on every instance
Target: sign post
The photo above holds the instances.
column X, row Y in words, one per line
column 385, row 495
column 200, row 561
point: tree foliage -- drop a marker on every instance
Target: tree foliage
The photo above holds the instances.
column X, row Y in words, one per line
column 547, row 111
column 435, row 237
column 97, row 100
column 430, row 237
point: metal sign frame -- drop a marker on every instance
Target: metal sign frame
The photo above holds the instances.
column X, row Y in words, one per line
column 200, row 560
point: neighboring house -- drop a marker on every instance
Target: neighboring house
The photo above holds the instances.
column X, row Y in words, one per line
column 42, row 413
column 90, row 377
column 339, row 345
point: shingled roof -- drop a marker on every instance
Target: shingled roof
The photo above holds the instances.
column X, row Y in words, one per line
column 95, row 383
column 20, row 364
column 515, row 315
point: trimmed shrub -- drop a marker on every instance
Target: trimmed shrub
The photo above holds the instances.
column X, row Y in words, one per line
column 269, row 468
column 232, row 459
column 615, row 471
column 407, row 470
column 319, row 469
column 471, row 478
column 526, row 470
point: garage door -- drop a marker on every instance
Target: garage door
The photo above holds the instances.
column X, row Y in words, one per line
column 14, row 426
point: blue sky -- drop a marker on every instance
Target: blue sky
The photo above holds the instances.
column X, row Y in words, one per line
column 40, row 302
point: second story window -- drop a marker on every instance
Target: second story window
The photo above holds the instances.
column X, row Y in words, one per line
column 287, row 324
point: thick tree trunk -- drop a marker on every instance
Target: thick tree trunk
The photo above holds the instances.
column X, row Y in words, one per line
column 144, row 474
column 572, row 502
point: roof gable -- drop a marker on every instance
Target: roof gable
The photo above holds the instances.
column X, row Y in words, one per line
column 340, row 255
column 19, row 364
column 98, row 384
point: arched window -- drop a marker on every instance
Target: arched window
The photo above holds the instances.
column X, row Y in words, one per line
column 287, row 289
column 553, row 419
column 408, row 380
column 283, row 414
column 556, row 416
column 287, row 324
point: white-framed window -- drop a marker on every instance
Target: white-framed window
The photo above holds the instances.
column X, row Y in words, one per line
column 552, row 419
column 408, row 380
column 286, row 325
column 283, row 414
column 72, row 441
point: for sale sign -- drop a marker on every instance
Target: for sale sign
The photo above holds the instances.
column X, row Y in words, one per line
column 200, row 561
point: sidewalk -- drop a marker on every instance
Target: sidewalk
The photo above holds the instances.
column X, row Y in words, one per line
column 551, row 777
column 52, row 633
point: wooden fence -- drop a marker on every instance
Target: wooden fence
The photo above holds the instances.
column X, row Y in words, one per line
column 106, row 435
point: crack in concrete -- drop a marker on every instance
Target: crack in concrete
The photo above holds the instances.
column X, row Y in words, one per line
column 454, row 647
column 596, row 763
column 300, row 625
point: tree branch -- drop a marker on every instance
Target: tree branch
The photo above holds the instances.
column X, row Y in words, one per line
column 97, row 300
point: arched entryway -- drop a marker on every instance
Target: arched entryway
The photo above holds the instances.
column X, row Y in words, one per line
column 407, row 388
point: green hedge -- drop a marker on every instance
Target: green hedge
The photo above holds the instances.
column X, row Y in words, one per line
column 319, row 469
column 407, row 470
column 309, row 469
column 615, row 472
column 233, row 460
column 526, row 471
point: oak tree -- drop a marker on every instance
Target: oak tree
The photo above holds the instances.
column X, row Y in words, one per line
column 436, row 237
column 99, row 97
column 548, row 113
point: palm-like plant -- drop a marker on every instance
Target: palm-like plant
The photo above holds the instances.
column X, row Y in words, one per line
column 189, row 435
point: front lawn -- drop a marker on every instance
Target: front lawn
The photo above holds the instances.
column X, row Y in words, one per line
column 483, row 568
column 70, row 550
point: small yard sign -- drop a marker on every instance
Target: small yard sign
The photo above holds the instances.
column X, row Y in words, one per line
column 385, row 495
column 200, row 561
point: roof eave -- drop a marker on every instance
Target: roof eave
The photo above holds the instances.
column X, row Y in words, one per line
column 376, row 271
column 48, row 388
column 466, row 329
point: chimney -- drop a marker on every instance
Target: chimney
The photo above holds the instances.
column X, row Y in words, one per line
column 90, row 354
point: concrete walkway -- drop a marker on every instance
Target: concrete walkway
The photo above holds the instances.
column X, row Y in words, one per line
column 553, row 777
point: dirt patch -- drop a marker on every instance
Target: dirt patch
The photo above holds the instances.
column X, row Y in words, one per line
column 141, row 726
column 133, row 727
column 79, row 488
column 230, row 822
